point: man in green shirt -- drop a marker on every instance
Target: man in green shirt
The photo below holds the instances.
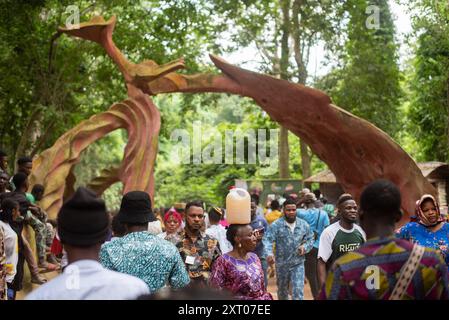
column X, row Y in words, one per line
column 340, row 237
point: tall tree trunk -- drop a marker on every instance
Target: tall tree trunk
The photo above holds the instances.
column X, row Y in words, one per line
column 306, row 157
column 296, row 34
column 447, row 106
column 28, row 136
column 284, row 151
column 42, row 139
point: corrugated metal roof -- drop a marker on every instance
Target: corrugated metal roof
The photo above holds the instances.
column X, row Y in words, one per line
column 326, row 176
column 428, row 167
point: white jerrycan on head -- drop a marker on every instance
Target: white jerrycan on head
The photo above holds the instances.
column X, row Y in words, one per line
column 238, row 206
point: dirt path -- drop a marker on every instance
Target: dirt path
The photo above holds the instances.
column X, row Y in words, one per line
column 28, row 287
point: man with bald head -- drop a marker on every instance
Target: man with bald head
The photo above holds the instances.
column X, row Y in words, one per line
column 340, row 237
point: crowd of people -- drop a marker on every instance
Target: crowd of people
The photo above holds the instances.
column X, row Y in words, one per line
column 19, row 208
column 145, row 252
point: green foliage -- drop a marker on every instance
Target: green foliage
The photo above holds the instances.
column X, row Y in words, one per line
column 50, row 88
column 216, row 113
column 30, row 88
column 429, row 80
column 368, row 83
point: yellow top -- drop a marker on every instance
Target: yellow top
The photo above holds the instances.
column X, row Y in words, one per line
column 273, row 216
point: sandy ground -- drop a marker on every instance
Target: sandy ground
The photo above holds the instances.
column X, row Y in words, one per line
column 272, row 288
column 28, row 287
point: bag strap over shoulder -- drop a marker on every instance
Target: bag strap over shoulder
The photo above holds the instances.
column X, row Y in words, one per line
column 408, row 270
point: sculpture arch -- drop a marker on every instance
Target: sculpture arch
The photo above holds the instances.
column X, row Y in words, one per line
column 355, row 150
column 140, row 119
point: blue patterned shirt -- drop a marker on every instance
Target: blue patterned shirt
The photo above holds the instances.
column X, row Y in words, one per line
column 259, row 223
column 148, row 257
column 317, row 219
column 287, row 243
column 417, row 233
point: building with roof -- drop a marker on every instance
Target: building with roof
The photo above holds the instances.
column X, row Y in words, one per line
column 436, row 172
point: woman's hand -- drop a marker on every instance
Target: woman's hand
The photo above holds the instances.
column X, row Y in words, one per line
column 258, row 234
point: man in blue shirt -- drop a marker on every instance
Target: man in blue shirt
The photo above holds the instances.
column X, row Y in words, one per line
column 293, row 239
column 260, row 226
column 318, row 220
column 141, row 254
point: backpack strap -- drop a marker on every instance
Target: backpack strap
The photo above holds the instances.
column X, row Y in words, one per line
column 408, row 270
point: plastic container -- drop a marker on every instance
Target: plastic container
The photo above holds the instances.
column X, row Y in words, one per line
column 238, row 206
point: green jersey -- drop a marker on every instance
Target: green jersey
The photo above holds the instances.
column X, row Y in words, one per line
column 335, row 241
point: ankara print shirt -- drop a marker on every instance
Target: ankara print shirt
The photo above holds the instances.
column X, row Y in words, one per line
column 148, row 257
column 244, row 279
column 347, row 279
column 198, row 255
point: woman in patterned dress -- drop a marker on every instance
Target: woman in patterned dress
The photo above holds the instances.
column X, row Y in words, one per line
column 240, row 270
column 430, row 229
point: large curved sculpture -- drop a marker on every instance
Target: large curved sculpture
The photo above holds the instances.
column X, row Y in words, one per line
column 107, row 178
column 139, row 117
column 356, row 151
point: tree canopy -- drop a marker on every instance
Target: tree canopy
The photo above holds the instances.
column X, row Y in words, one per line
column 51, row 83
